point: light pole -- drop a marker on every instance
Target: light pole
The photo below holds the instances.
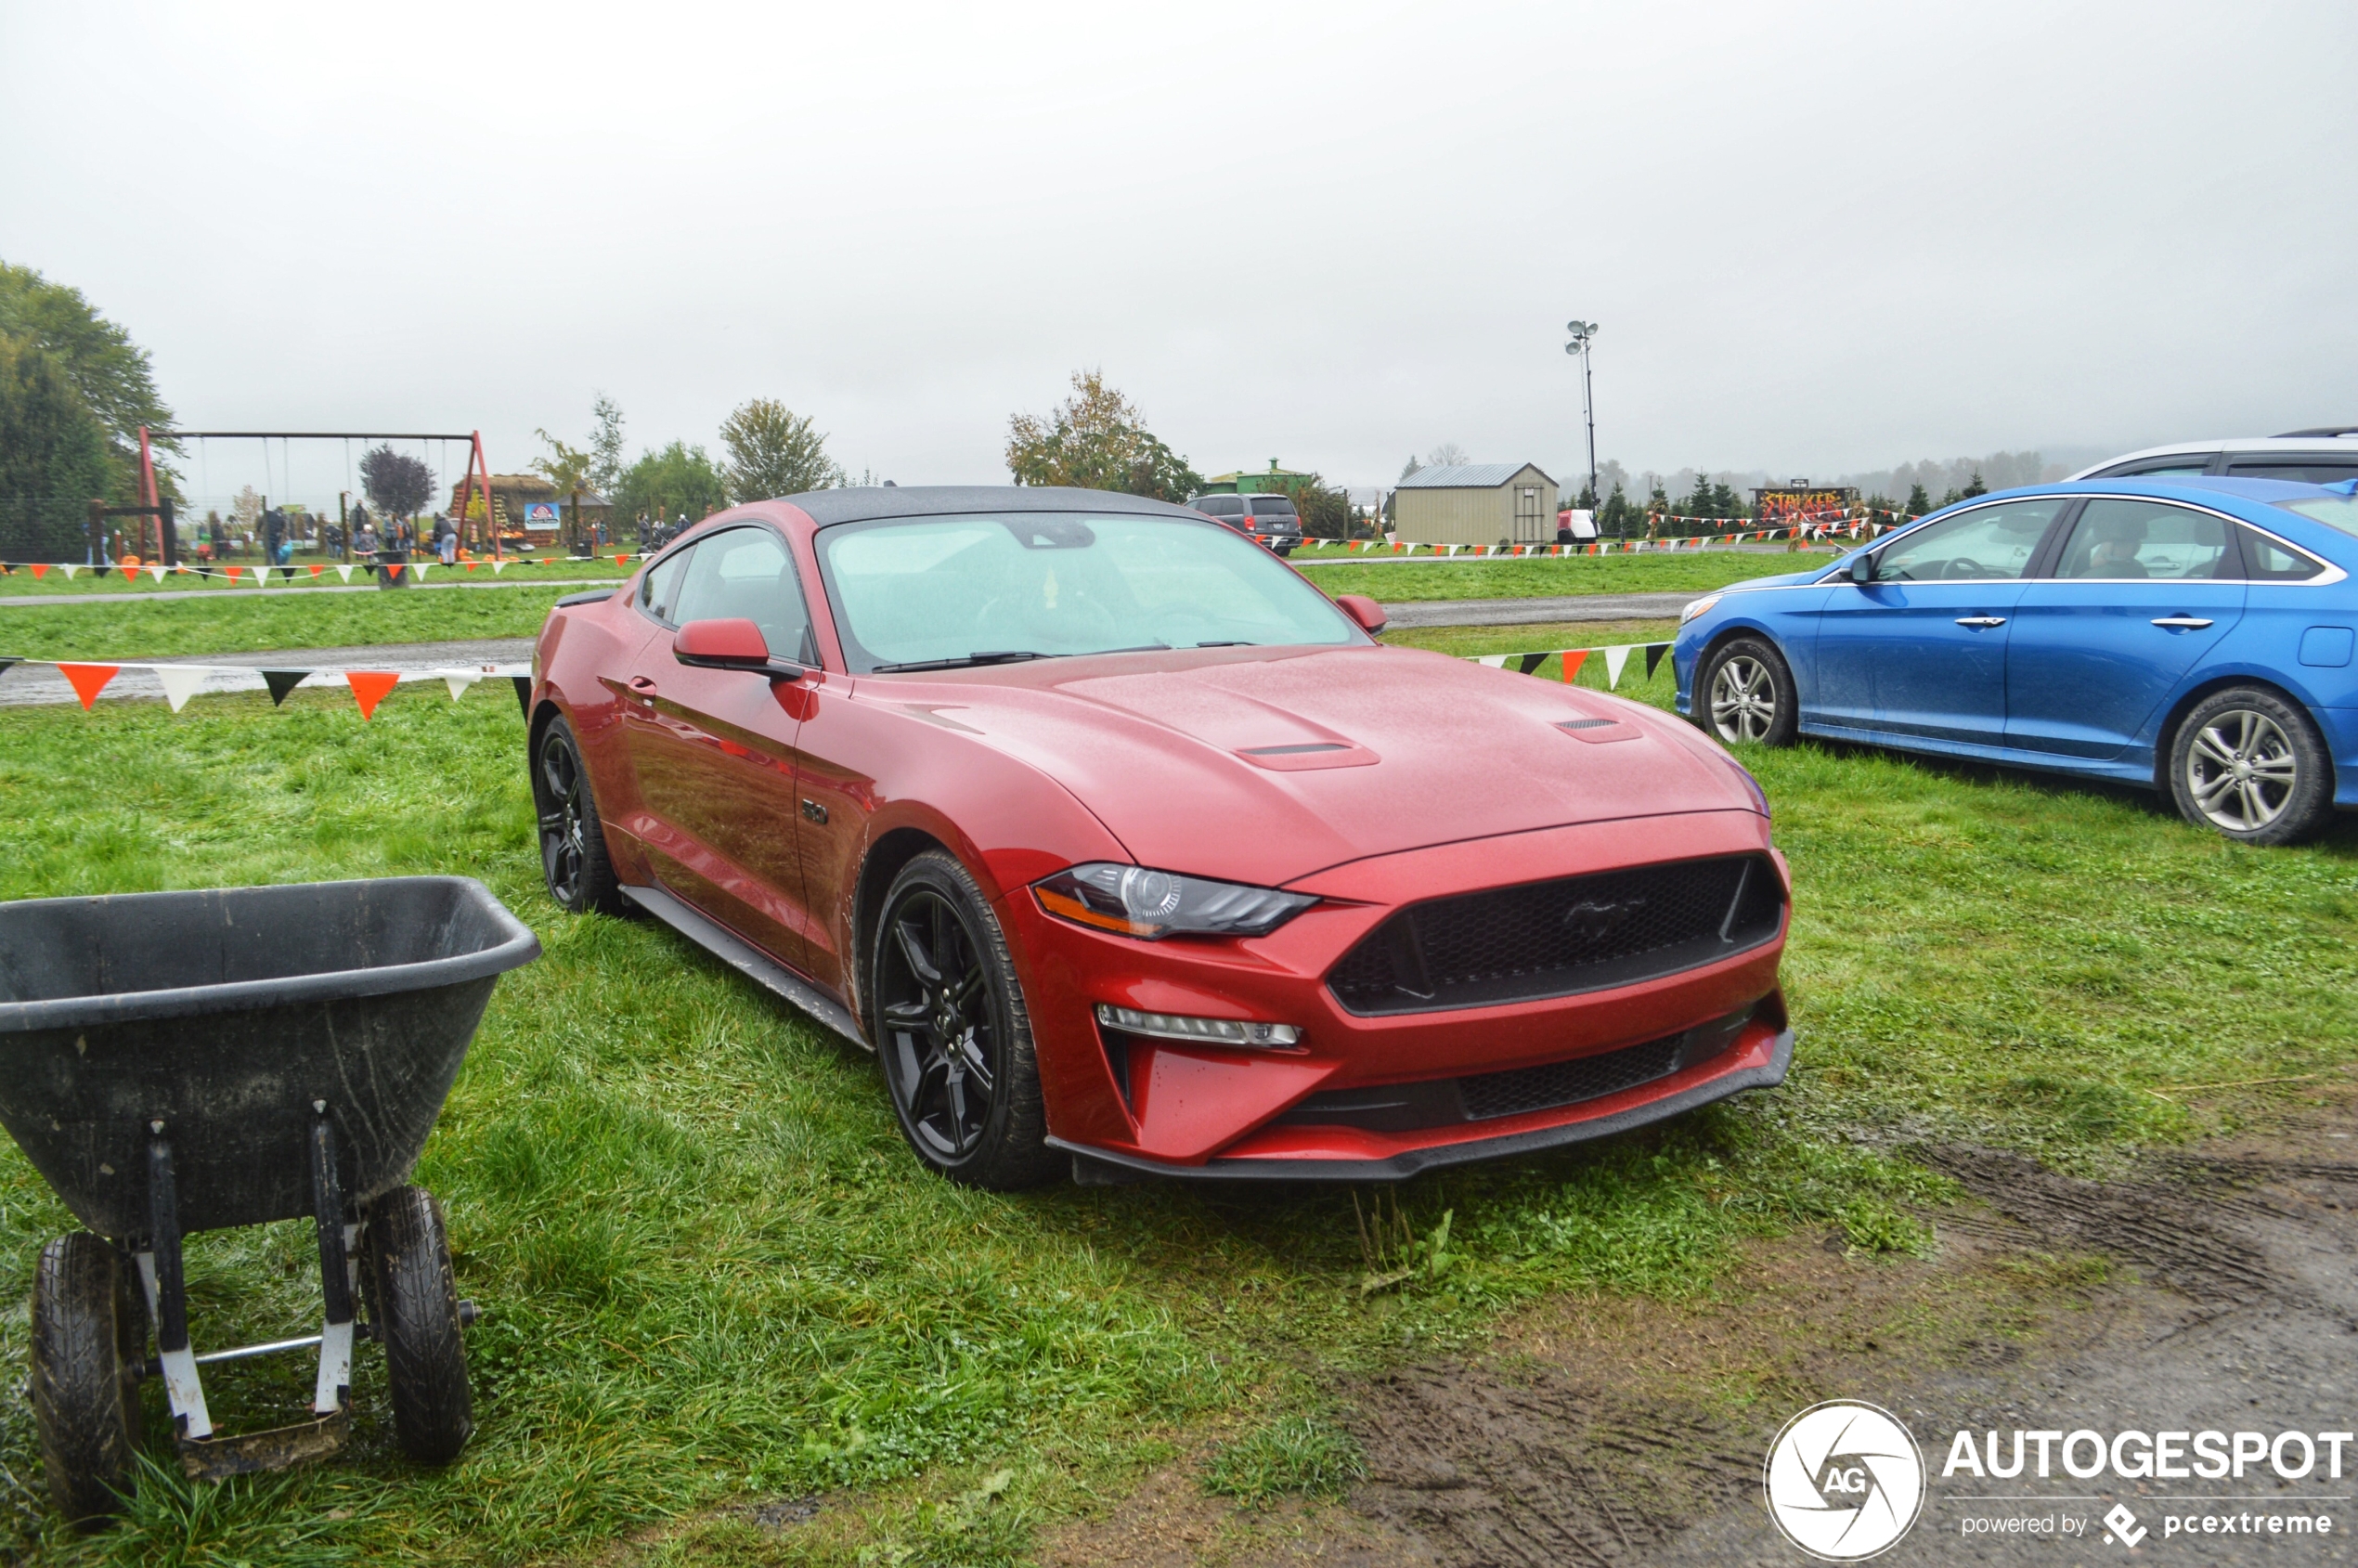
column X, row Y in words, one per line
column 1583, row 333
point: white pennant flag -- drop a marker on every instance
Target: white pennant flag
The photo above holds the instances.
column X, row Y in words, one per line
column 345, row 571
column 261, row 576
column 458, row 680
column 70, row 568
column 156, row 572
column 1615, row 657
column 1496, row 661
column 179, row 682
column 421, row 569
column 499, row 567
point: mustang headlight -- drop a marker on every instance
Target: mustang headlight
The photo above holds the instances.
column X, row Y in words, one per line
column 1138, row 902
column 1697, row 607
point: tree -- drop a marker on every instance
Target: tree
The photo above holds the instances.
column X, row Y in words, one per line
column 1974, row 488
column 1918, row 502
column 680, row 480
column 1325, row 509
column 53, row 455
column 773, row 451
column 398, row 483
column 1616, row 516
column 1097, row 440
column 606, row 457
column 1448, row 455
column 111, row 374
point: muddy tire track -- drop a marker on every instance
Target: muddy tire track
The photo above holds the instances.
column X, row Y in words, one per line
column 1541, row 1470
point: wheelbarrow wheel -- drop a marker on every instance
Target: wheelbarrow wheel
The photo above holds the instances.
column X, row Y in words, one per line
column 88, row 1342
column 414, row 1300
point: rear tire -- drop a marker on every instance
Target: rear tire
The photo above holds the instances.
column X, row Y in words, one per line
column 572, row 837
column 88, row 1342
column 414, row 1300
column 1744, row 694
column 2248, row 763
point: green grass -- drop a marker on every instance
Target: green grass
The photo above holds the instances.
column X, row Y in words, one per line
column 714, row 1275
column 1301, row 1455
column 20, row 583
column 257, row 623
column 1544, row 576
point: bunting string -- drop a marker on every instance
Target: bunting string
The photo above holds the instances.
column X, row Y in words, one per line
column 237, row 574
column 90, row 679
column 1616, row 657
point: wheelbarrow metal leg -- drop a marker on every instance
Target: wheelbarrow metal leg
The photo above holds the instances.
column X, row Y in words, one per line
column 335, row 1267
column 167, row 1291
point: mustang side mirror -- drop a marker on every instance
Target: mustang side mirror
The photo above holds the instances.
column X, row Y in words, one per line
column 730, row 644
column 1862, row 568
column 1363, row 610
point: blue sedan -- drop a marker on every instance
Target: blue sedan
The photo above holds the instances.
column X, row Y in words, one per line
column 2191, row 635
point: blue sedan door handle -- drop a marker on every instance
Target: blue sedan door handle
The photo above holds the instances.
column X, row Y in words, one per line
column 2183, row 623
column 1981, row 621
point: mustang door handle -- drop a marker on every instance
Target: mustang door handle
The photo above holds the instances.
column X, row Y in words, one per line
column 640, row 683
column 1981, row 621
column 2183, row 623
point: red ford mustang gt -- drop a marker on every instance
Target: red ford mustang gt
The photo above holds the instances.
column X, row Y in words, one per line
column 1123, row 845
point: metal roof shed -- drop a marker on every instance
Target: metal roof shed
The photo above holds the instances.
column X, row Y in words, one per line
column 1476, row 503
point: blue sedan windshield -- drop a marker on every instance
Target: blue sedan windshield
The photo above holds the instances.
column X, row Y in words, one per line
column 981, row 589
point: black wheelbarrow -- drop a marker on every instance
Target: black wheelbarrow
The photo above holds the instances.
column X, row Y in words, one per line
column 182, row 1062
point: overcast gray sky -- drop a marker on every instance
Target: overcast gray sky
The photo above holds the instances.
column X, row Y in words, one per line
column 1817, row 236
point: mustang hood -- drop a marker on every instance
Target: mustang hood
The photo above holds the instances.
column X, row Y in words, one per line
column 1261, row 766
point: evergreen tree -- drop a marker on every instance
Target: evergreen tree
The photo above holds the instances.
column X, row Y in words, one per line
column 1918, row 502
column 1976, row 488
column 53, row 455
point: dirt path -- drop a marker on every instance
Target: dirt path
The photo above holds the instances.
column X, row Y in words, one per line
column 2215, row 1290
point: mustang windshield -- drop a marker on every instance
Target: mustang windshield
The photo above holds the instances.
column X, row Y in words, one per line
column 940, row 592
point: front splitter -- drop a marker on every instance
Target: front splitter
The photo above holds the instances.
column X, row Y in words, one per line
column 1416, row 1162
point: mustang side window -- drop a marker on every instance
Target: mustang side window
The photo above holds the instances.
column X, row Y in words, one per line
column 661, row 587
column 745, row 574
column 1988, row 541
column 2116, row 539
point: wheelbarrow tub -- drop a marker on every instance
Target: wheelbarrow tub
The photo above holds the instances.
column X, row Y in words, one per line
column 225, row 1014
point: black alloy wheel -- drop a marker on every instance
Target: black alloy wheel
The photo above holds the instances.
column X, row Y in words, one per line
column 2248, row 762
column 573, row 844
column 89, row 1342
column 1744, row 694
column 953, row 1032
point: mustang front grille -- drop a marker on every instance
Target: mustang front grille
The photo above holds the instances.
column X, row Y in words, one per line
column 1556, row 939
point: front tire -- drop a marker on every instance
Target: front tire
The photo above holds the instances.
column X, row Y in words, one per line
column 1744, row 694
column 953, row 1033
column 88, row 1341
column 413, row 1296
column 2248, row 763
column 573, row 838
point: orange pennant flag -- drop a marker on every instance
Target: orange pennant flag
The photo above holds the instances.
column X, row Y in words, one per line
column 40, row 571
column 1574, row 660
column 471, row 566
column 622, row 560
column 369, row 688
column 317, row 570
column 90, row 680
column 233, row 573
column 393, row 568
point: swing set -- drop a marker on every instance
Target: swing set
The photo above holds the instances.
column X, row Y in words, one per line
column 478, row 476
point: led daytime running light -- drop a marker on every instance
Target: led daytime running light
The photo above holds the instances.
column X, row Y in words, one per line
column 1217, row 1032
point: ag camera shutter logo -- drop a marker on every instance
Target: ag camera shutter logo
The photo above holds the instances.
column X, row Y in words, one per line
column 1844, row 1481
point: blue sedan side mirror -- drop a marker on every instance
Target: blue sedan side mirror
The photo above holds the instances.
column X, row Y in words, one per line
column 1862, row 568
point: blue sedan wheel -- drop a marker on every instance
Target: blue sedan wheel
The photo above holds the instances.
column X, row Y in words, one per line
column 2251, row 765
column 1748, row 695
